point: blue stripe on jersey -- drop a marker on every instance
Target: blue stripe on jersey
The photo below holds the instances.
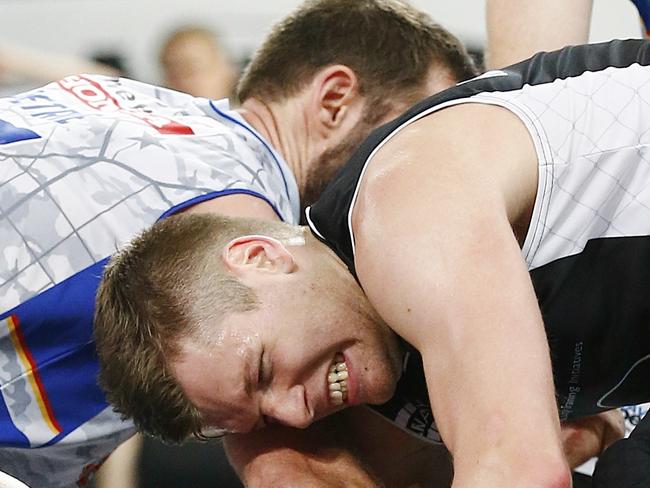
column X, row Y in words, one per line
column 10, row 133
column 57, row 326
column 643, row 6
column 262, row 141
column 216, row 194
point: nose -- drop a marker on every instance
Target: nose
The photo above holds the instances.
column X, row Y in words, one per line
column 288, row 408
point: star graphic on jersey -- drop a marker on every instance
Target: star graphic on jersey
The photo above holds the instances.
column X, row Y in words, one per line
column 145, row 140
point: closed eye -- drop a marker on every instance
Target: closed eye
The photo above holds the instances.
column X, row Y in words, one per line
column 265, row 370
column 260, row 370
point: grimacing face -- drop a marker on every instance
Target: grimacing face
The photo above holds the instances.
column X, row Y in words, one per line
column 313, row 347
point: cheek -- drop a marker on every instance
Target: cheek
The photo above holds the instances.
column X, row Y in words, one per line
column 381, row 376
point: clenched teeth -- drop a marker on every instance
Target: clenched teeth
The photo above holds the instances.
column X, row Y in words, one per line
column 337, row 380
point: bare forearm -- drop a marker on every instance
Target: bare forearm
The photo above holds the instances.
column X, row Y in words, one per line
column 518, row 29
column 316, row 457
column 289, row 469
column 43, row 67
column 354, row 448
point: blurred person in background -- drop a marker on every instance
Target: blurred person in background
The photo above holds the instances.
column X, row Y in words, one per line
column 195, row 62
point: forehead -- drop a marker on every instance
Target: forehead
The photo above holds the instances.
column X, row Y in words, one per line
column 214, row 374
column 188, row 45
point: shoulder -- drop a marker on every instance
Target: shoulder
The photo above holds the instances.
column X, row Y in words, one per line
column 460, row 148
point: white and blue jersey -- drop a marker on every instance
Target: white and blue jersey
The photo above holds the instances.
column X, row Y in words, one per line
column 85, row 164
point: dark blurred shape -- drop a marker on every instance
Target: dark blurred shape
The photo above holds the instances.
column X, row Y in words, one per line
column 626, row 463
column 478, row 55
column 113, row 59
column 195, row 465
column 581, row 480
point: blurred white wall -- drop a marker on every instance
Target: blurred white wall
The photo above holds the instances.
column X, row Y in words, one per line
column 135, row 27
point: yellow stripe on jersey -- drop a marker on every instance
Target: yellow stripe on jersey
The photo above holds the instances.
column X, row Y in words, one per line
column 31, row 372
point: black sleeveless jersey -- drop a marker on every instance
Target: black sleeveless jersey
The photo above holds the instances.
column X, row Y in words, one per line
column 587, row 109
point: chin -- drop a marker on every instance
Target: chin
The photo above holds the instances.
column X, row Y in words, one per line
column 382, row 389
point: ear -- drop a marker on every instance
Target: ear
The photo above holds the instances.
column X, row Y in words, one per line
column 257, row 253
column 336, row 94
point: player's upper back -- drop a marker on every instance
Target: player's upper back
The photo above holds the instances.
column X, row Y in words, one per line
column 90, row 161
column 558, row 96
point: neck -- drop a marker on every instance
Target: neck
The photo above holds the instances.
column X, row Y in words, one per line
column 277, row 123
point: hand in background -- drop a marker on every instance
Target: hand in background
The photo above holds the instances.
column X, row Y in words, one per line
column 589, row 436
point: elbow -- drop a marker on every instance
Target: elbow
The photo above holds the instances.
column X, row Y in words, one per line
column 529, row 470
column 563, row 478
column 553, row 474
column 539, row 473
column 541, row 470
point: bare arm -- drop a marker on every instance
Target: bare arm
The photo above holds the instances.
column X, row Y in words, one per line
column 354, row 448
column 449, row 278
column 120, row 469
column 24, row 63
column 518, row 29
column 278, row 457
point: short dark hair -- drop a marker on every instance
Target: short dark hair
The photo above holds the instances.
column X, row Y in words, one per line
column 389, row 44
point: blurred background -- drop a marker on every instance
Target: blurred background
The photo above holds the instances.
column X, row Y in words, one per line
column 198, row 46
column 131, row 32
